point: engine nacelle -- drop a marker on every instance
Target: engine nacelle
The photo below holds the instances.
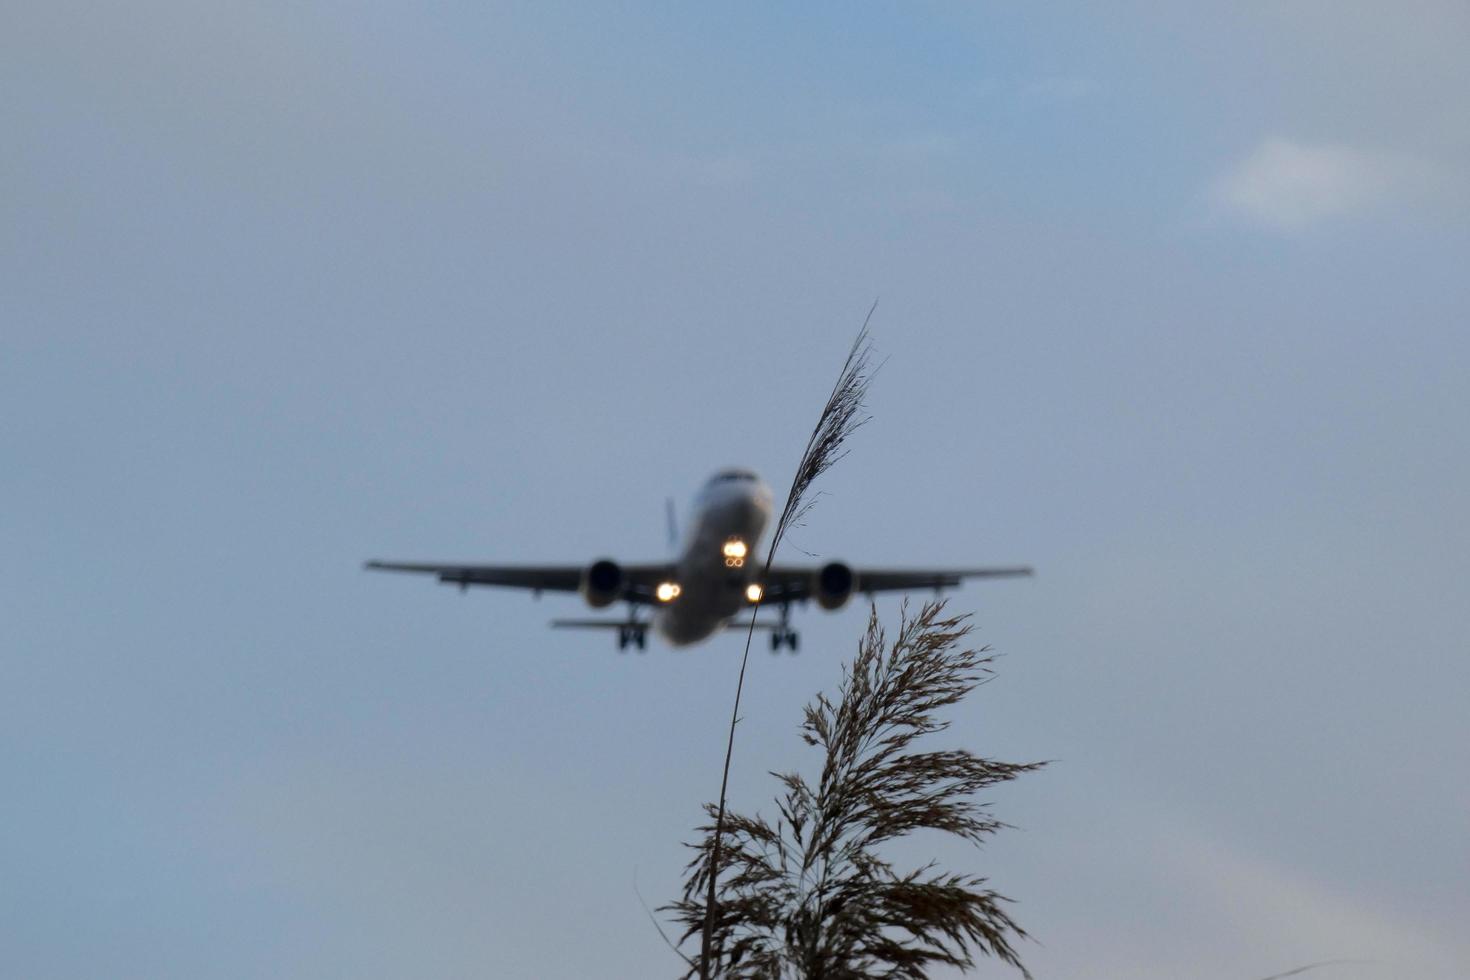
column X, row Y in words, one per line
column 833, row 586
column 602, row 583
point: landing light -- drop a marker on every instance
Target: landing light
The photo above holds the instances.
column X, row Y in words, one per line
column 667, row 591
column 735, row 548
column 753, row 592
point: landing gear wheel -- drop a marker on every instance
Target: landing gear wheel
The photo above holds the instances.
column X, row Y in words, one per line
column 786, row 638
column 632, row 634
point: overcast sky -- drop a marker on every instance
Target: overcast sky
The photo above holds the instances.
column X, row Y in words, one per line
column 1174, row 304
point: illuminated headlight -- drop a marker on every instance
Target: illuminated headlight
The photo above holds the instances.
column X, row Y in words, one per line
column 753, row 592
column 667, row 591
column 735, row 548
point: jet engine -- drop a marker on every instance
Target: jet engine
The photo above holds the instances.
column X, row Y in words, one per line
column 834, row 585
column 602, row 583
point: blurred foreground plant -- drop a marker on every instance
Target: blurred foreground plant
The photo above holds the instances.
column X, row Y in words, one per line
column 809, row 895
column 841, row 416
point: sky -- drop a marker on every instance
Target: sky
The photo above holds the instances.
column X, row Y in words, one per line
column 1172, row 306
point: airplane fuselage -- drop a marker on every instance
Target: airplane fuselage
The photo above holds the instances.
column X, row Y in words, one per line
column 717, row 562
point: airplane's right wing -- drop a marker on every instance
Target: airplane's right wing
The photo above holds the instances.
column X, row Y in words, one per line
column 637, row 581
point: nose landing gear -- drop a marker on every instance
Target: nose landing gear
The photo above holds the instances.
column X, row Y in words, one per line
column 634, row 633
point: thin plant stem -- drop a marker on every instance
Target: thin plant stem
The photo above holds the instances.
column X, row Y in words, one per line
column 841, row 416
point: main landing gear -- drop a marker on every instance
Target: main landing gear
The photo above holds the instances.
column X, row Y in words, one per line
column 634, row 633
column 784, row 635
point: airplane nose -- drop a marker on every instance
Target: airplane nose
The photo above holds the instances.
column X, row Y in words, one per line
column 749, row 512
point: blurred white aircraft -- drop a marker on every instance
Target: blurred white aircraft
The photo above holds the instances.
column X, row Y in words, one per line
column 715, row 575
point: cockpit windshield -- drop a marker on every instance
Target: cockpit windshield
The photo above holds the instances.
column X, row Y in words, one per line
column 731, row 476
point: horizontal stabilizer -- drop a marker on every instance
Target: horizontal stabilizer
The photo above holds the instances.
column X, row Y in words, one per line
column 612, row 624
column 760, row 624
column 593, row 624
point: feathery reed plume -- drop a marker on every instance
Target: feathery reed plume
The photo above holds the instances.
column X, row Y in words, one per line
column 808, row 895
column 841, row 416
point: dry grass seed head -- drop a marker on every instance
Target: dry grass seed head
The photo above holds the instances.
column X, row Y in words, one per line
column 809, row 894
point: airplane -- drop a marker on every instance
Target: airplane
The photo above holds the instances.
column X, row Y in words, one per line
column 714, row 576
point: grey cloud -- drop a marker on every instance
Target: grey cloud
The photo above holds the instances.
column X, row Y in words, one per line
column 1287, row 185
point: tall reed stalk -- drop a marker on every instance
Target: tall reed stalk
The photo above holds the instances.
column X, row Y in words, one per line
column 841, row 416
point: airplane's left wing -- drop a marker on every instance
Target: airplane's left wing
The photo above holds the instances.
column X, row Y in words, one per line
column 788, row 583
column 638, row 581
